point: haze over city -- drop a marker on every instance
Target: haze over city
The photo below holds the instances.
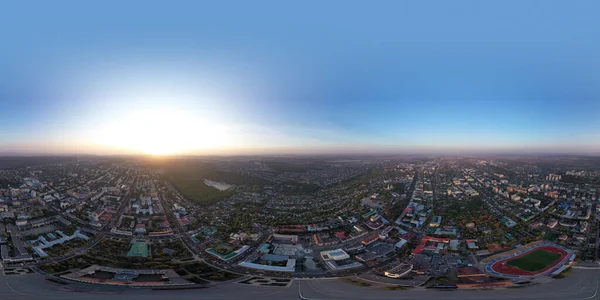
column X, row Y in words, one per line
column 273, row 77
column 312, row 150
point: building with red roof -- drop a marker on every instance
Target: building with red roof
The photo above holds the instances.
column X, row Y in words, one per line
column 428, row 239
column 341, row 235
column 371, row 239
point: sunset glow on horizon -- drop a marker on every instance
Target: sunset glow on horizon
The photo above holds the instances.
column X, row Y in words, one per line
column 416, row 78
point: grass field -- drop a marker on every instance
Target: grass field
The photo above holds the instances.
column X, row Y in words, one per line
column 196, row 190
column 188, row 177
column 534, row 261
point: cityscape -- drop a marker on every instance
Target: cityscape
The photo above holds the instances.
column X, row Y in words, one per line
column 308, row 150
column 379, row 223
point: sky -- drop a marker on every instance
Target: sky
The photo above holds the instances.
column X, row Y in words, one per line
column 247, row 77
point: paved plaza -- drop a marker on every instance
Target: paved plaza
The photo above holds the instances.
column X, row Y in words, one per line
column 581, row 284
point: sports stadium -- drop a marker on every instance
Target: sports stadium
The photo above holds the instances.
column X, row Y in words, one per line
column 532, row 260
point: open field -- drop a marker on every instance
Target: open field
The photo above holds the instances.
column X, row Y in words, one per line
column 188, row 177
column 195, row 189
column 534, row 261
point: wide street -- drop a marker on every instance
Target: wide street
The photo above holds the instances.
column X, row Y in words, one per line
column 580, row 284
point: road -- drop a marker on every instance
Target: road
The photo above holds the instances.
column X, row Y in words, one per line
column 100, row 234
column 581, row 284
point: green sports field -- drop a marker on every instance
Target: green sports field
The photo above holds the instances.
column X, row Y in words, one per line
column 534, row 261
column 138, row 249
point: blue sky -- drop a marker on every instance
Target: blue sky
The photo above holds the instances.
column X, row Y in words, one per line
column 316, row 76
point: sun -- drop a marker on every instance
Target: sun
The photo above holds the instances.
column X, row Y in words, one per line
column 163, row 132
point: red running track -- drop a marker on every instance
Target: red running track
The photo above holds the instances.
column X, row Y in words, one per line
column 503, row 268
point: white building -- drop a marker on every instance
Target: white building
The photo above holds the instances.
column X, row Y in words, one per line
column 336, row 254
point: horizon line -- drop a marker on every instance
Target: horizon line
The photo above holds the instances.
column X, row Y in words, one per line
column 441, row 153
